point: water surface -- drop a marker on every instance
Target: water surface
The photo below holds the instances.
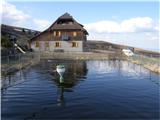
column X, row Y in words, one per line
column 91, row 89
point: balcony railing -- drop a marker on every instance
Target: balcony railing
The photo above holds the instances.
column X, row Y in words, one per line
column 68, row 38
column 65, row 37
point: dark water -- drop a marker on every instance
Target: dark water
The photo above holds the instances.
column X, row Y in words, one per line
column 91, row 89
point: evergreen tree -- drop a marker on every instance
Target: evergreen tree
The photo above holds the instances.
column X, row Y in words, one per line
column 23, row 30
column 5, row 42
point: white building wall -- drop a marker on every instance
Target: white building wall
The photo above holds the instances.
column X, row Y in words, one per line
column 64, row 45
column 42, row 45
column 33, row 46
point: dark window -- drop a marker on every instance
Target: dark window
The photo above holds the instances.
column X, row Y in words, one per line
column 57, row 44
column 74, row 44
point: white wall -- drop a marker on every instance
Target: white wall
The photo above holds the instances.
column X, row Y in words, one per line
column 33, row 46
column 66, row 46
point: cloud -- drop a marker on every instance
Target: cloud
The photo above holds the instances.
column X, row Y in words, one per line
column 139, row 32
column 144, row 33
column 156, row 28
column 138, row 24
column 11, row 15
column 41, row 24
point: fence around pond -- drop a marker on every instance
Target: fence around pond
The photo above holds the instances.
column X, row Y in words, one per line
column 15, row 62
column 19, row 61
column 149, row 62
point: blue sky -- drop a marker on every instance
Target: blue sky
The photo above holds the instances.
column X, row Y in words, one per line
column 87, row 12
column 130, row 23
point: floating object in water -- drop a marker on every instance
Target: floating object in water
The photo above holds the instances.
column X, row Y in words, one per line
column 60, row 69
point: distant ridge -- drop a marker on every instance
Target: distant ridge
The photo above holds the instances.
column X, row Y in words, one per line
column 103, row 45
column 22, row 35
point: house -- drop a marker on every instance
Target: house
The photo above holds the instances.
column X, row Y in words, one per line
column 65, row 34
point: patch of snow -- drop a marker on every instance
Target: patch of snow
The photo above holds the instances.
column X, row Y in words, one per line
column 18, row 29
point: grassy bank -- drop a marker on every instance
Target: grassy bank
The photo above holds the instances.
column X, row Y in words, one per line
column 150, row 63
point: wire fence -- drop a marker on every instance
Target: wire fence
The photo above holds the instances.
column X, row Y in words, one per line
column 149, row 62
column 145, row 59
column 31, row 56
column 18, row 60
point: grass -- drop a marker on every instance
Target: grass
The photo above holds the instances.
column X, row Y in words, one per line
column 150, row 63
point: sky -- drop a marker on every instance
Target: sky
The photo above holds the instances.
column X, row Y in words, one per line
column 122, row 22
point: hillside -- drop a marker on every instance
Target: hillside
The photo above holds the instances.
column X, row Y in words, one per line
column 93, row 45
column 21, row 35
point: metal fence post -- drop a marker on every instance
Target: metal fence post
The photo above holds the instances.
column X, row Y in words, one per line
column 39, row 56
column 8, row 59
column 19, row 59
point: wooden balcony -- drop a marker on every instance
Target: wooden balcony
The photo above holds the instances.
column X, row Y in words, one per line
column 68, row 38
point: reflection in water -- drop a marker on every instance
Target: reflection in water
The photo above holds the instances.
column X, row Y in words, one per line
column 61, row 90
column 61, row 100
column 75, row 71
column 105, row 83
column 61, row 70
column 123, row 67
column 13, row 79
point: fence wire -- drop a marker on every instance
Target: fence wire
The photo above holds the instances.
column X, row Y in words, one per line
column 18, row 59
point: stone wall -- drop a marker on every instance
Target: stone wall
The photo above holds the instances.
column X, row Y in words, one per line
column 80, row 55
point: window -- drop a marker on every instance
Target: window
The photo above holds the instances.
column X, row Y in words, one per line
column 65, row 37
column 74, row 34
column 65, row 22
column 74, row 44
column 37, row 44
column 54, row 33
column 47, row 44
column 59, row 33
column 57, row 44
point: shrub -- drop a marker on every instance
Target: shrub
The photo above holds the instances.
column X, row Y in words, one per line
column 5, row 42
